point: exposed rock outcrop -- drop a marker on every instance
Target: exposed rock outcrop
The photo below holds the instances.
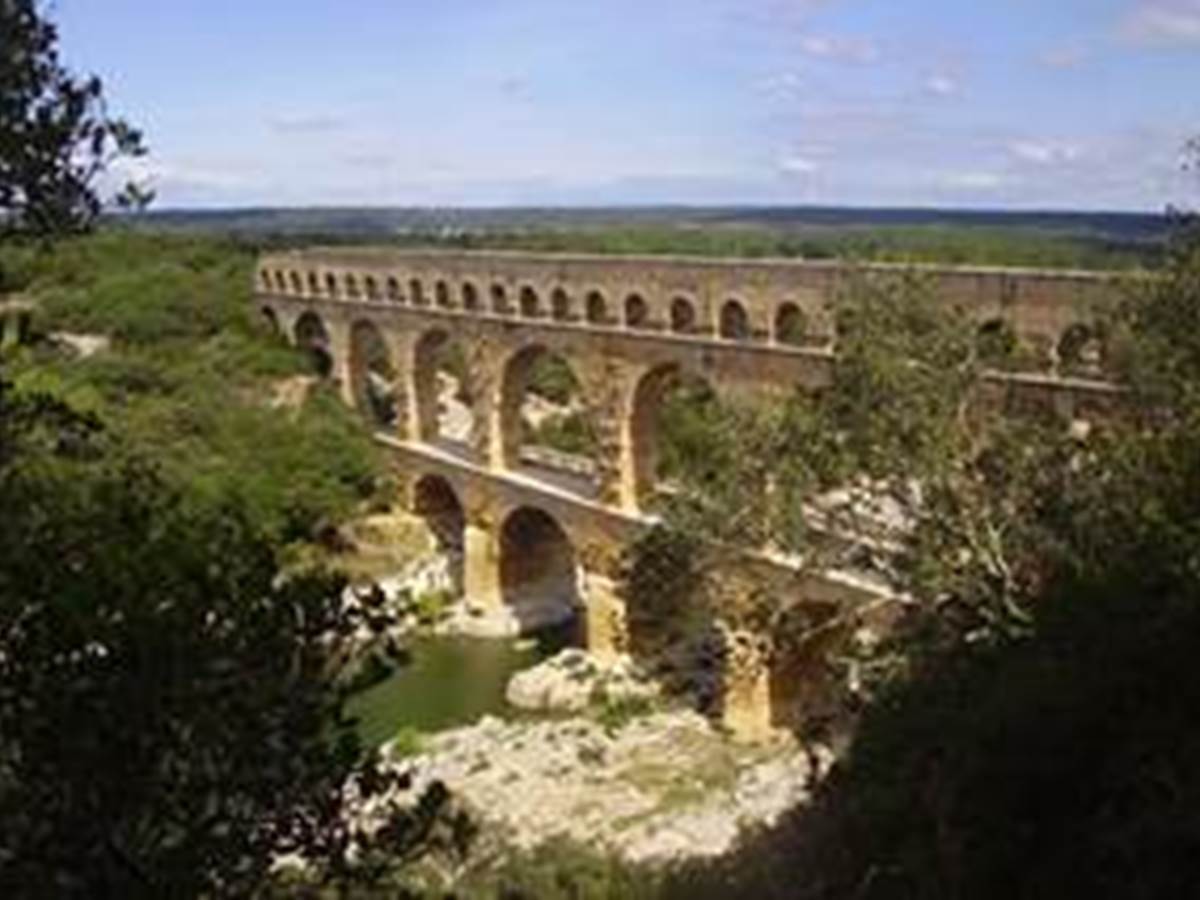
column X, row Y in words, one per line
column 662, row 788
column 573, row 680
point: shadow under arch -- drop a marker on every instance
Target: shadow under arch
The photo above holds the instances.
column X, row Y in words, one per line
column 996, row 343
column 312, row 337
column 270, row 322
column 436, row 502
column 791, row 326
column 683, row 316
column 670, row 408
column 445, row 394
column 735, row 321
column 539, row 574
column 637, row 311
column 1080, row 350
column 807, row 694
column 544, row 418
column 372, row 375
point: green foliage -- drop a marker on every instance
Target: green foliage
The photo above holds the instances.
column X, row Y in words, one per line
column 56, row 135
column 139, row 288
column 614, row 715
column 688, row 422
column 663, row 575
column 432, row 607
column 170, row 711
column 189, row 380
column 1030, row 722
column 551, row 378
column 962, row 244
column 1153, row 341
column 997, row 344
column 407, row 743
column 570, row 433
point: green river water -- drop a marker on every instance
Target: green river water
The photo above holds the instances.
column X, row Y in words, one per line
column 451, row 681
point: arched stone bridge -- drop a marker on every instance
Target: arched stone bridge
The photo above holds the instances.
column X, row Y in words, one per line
column 629, row 327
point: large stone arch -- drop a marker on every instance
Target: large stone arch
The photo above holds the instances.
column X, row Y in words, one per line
column 650, row 394
column 500, row 305
column 540, row 573
column 735, row 321
column 596, row 308
column 445, row 411
column 996, row 343
column 791, row 326
column 1080, row 350
column 441, row 294
column 470, row 296
column 311, row 336
column 373, row 374
column 515, row 385
column 435, row 500
column 531, row 307
column 683, row 316
column 637, row 311
column 560, row 305
column 416, row 292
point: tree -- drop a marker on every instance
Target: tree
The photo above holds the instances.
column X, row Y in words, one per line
column 56, row 135
column 1030, row 729
column 828, row 478
column 172, row 706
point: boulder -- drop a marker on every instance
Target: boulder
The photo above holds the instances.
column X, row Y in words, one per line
column 573, row 679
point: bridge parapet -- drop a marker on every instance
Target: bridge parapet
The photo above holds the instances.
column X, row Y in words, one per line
column 784, row 303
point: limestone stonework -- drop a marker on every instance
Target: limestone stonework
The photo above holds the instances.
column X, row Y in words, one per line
column 629, row 328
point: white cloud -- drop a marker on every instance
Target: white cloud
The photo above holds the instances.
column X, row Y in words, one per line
column 797, row 165
column 839, row 49
column 1044, row 153
column 1164, row 22
column 782, row 84
column 941, row 85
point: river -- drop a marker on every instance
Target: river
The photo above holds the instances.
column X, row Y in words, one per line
column 451, row 681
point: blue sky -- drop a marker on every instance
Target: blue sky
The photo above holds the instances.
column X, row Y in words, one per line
column 983, row 103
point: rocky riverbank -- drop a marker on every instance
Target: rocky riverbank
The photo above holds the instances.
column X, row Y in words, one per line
column 660, row 788
column 606, row 766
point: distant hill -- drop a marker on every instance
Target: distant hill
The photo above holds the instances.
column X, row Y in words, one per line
column 390, row 221
column 1052, row 239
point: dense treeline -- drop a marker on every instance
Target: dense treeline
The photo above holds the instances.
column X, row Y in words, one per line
column 172, row 695
column 980, row 245
column 1076, row 242
column 1087, row 240
column 1027, row 720
column 191, row 378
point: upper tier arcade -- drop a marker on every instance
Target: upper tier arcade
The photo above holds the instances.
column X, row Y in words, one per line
column 778, row 303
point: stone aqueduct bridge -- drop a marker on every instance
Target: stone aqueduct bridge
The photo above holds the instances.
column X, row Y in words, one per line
column 629, row 327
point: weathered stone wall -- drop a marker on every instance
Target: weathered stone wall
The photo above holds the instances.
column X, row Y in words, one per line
column 1040, row 305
